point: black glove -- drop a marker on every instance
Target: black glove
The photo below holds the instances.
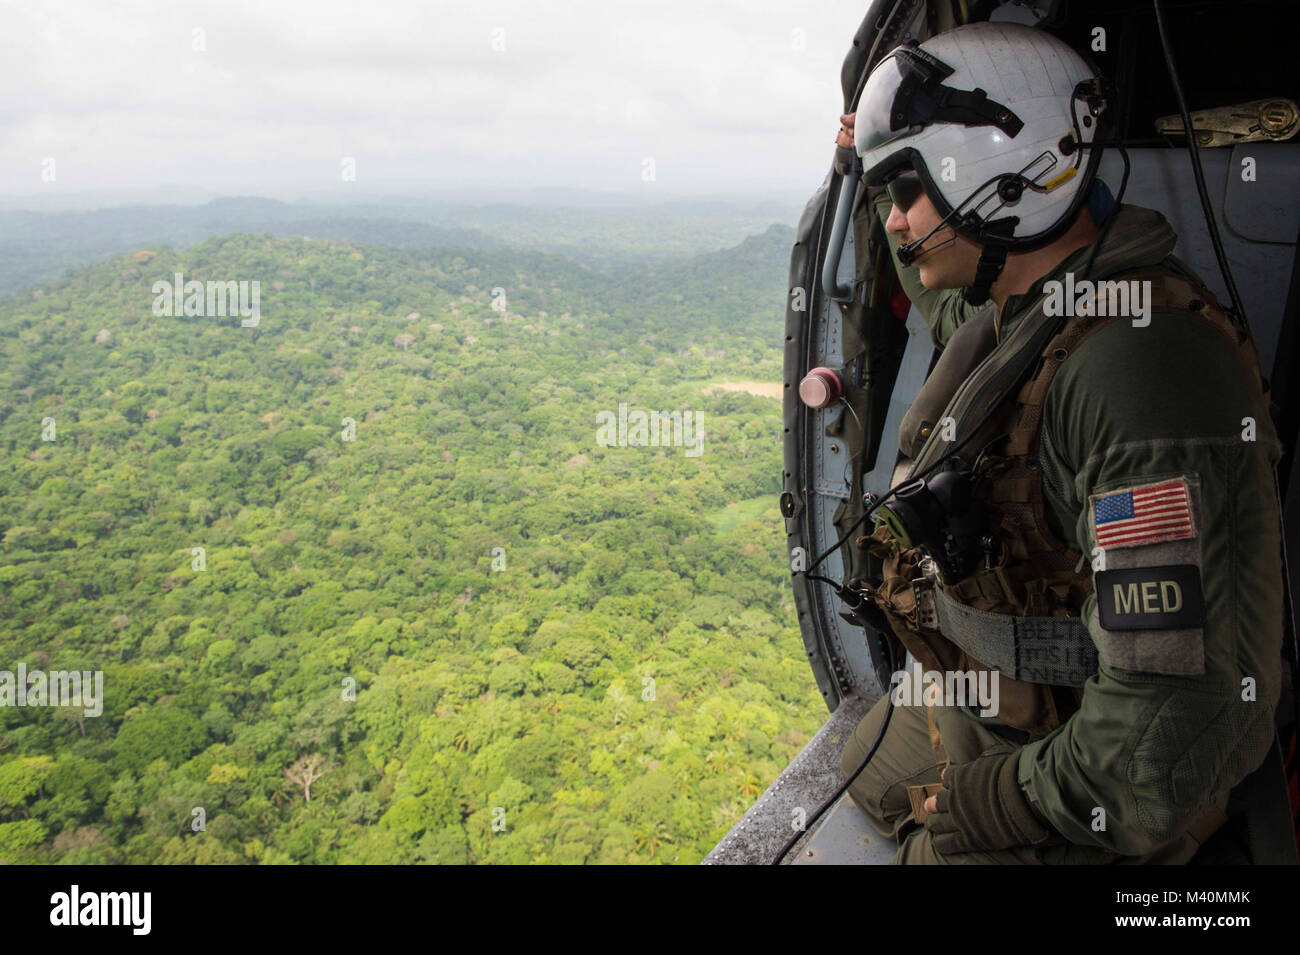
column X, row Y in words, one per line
column 983, row 808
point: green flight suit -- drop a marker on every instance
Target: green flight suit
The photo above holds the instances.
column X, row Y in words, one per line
column 1173, row 719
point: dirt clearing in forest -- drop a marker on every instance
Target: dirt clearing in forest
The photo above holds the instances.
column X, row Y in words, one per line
column 764, row 389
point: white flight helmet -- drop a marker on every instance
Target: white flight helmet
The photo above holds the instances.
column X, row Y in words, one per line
column 995, row 118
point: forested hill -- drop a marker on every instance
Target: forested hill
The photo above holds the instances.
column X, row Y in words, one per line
column 737, row 291
column 36, row 245
column 363, row 581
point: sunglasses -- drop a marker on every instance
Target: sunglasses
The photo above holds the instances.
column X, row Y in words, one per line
column 904, row 188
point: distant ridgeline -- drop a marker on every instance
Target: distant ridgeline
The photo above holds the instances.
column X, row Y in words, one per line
column 36, row 246
column 358, row 582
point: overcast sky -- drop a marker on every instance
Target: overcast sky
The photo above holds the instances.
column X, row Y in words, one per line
column 267, row 97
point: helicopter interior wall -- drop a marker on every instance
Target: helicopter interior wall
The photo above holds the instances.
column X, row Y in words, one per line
column 1226, row 52
column 828, row 458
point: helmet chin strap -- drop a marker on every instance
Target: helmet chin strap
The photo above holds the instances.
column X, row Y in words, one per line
column 992, row 258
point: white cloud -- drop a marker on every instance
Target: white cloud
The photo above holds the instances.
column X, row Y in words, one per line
column 712, row 90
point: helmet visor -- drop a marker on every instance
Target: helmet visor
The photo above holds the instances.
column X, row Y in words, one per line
column 904, row 94
column 879, row 120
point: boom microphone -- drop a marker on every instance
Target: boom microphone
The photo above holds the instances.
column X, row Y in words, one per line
column 911, row 251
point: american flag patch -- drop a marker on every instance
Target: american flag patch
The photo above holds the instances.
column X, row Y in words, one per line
column 1143, row 515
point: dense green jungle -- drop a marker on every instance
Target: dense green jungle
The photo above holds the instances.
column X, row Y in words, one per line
column 363, row 580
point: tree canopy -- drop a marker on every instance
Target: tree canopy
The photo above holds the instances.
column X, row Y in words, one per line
column 363, row 585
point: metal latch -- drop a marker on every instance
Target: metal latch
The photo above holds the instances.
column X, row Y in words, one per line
column 1259, row 120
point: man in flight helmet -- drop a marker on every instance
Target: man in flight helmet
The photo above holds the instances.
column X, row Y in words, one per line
column 1092, row 522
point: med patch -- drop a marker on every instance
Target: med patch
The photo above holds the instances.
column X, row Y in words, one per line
column 1150, row 598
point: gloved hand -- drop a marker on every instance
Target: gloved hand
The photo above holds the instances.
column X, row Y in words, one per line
column 844, row 151
column 983, row 808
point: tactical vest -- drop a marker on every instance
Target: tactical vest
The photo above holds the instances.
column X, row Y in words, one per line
column 1021, row 617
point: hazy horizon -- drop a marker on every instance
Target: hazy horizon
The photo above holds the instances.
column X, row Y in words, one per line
column 784, row 207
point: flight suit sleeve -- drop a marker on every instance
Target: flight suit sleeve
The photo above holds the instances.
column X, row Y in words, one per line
column 944, row 310
column 1159, row 457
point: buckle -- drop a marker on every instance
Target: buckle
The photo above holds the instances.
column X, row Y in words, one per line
column 927, row 613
